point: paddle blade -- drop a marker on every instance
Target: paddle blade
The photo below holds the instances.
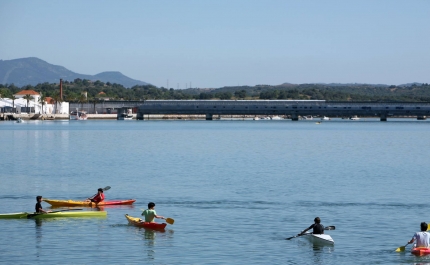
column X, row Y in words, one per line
column 106, row 188
column 331, row 227
column 400, row 249
column 170, row 221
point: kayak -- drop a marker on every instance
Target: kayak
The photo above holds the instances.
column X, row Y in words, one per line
column 87, row 203
column 13, row 215
column 420, row 251
column 53, row 215
column 323, row 239
column 135, row 221
column 71, row 214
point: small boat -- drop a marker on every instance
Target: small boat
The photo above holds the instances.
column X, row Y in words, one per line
column 276, row 118
column 324, row 118
column 256, row 118
column 69, row 214
column 78, row 115
column 137, row 222
column 309, row 117
column 322, row 239
column 354, row 118
column 24, row 215
column 19, row 120
column 14, row 215
column 318, row 122
column 126, row 116
column 420, row 251
column 87, row 203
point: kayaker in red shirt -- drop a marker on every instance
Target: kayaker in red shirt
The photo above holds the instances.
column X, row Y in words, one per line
column 99, row 197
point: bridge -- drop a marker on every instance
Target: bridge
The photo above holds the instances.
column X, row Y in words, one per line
column 291, row 108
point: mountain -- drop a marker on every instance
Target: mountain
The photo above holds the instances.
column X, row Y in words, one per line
column 33, row 71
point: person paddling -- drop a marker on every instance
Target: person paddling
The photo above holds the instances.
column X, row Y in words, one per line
column 150, row 213
column 99, row 197
column 422, row 238
column 317, row 227
column 38, row 207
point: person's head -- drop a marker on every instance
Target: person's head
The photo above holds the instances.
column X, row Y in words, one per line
column 100, row 190
column 151, row 205
column 424, row 226
column 317, row 220
column 39, row 198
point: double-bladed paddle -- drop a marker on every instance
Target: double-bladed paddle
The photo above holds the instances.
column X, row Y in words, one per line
column 331, row 227
column 34, row 214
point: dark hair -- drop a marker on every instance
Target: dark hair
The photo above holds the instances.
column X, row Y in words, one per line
column 424, row 226
column 150, row 205
column 317, row 220
column 38, row 197
column 100, row 189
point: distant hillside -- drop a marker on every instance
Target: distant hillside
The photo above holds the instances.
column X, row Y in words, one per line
column 32, row 71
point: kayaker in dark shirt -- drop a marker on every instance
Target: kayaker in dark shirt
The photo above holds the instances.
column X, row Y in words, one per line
column 317, row 227
column 38, row 208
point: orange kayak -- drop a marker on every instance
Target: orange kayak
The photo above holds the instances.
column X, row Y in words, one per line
column 87, row 203
column 136, row 222
column 420, row 251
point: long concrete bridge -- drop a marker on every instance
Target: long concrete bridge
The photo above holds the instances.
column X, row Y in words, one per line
column 291, row 108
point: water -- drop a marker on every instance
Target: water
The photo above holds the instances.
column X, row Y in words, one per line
column 236, row 190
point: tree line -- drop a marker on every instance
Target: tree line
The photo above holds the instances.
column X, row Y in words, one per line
column 83, row 90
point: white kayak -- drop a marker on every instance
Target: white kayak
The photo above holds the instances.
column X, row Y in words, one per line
column 319, row 238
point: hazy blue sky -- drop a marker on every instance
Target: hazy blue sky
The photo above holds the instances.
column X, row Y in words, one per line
column 225, row 42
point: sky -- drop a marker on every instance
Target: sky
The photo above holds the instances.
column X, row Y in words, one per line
column 211, row 44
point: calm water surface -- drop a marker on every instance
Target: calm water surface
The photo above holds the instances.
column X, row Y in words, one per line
column 236, row 190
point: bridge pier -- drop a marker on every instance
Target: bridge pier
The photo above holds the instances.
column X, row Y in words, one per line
column 383, row 117
column 209, row 117
column 294, row 117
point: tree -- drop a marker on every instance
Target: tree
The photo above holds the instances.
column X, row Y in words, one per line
column 95, row 100
column 57, row 99
column 42, row 100
column 28, row 97
column 240, row 94
column 82, row 99
column 13, row 101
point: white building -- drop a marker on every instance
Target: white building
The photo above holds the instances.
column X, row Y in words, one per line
column 33, row 105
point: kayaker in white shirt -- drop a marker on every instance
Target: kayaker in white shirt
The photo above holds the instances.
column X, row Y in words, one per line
column 422, row 238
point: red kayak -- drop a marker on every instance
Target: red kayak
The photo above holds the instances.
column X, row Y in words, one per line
column 57, row 203
column 420, row 251
column 136, row 222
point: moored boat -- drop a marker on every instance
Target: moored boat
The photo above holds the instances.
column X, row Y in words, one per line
column 87, row 203
column 420, row 251
column 322, row 239
column 78, row 115
column 136, row 222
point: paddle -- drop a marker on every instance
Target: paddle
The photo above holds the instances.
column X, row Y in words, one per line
column 170, row 221
column 331, row 227
column 402, row 248
column 34, row 214
column 104, row 189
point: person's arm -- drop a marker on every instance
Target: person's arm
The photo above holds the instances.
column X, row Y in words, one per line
column 412, row 240
column 304, row 231
column 159, row 217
